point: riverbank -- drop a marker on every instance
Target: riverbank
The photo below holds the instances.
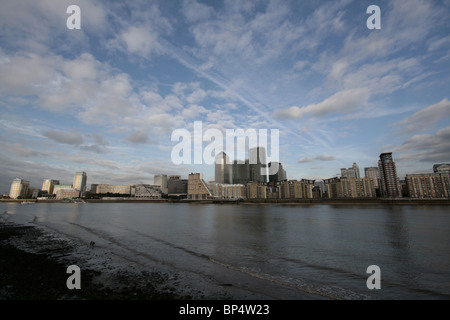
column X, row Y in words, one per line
column 33, row 266
column 377, row 201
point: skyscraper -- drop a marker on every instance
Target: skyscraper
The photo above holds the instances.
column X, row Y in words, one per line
column 79, row 181
column 280, row 174
column 223, row 169
column 241, row 171
column 390, row 186
column 258, row 164
column 374, row 173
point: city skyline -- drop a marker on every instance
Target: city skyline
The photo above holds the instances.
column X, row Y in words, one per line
column 105, row 99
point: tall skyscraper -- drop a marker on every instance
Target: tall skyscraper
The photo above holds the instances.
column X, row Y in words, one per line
column 49, row 184
column 374, row 173
column 19, row 188
column 241, row 172
column 223, row 169
column 390, row 186
column 352, row 172
column 258, row 164
column 280, row 174
column 79, row 181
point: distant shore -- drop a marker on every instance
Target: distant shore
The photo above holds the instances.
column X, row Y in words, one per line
column 377, row 201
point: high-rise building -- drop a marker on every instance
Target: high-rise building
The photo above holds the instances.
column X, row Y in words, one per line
column 48, row 185
column 280, row 173
column 223, row 169
column 79, row 181
column 161, row 181
column 390, row 185
column 241, row 172
column 19, row 188
column 355, row 168
column 352, row 172
column 374, row 173
column 258, row 164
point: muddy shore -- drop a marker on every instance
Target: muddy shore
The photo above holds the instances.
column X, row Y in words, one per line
column 33, row 266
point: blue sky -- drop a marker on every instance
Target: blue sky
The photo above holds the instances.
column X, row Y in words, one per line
column 105, row 99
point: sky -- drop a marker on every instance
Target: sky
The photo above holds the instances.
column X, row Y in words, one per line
column 106, row 98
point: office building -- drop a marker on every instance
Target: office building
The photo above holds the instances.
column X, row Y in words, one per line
column 161, row 181
column 197, row 188
column 48, row 185
column 19, row 188
column 177, row 187
column 390, row 184
column 241, row 171
column 79, row 181
column 279, row 173
column 223, row 169
column 352, row 172
column 258, row 164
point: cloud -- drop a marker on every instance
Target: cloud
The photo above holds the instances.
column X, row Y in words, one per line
column 342, row 102
column 194, row 11
column 64, row 137
column 323, row 157
column 426, row 147
column 137, row 137
column 423, row 119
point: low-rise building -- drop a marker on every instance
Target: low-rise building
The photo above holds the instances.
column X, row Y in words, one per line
column 428, row 185
column 197, row 188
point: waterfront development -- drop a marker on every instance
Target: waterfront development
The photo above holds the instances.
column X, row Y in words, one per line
column 270, row 251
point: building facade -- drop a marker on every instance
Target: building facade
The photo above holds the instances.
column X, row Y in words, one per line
column 197, row 188
column 66, row 192
column 223, row 169
column 228, row 191
column 389, row 182
column 177, row 187
column 428, row 185
column 374, row 173
column 161, row 181
column 279, row 174
column 111, row 188
column 256, row 190
column 258, row 165
column 48, row 185
column 19, row 188
column 145, row 191
column 79, row 181
column 350, row 188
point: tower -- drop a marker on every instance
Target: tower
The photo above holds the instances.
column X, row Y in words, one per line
column 390, row 186
column 223, row 169
column 79, row 181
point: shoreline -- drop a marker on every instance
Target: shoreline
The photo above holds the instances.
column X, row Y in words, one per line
column 33, row 265
column 377, row 201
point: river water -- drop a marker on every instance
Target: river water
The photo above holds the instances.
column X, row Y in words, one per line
column 268, row 250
